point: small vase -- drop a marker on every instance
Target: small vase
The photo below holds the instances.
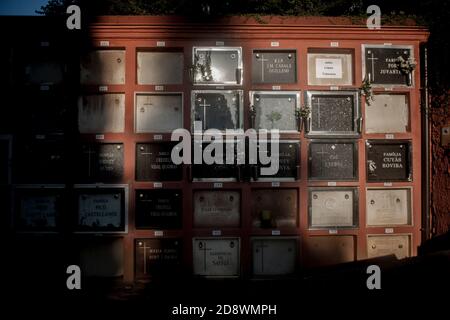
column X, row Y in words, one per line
column 409, row 79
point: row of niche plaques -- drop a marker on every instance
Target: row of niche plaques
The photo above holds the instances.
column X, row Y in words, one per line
column 224, row 66
column 42, row 208
column 328, row 160
column 104, row 210
column 332, row 113
column 270, row 256
column 216, row 257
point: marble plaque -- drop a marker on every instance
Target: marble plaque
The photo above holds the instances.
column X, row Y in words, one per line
column 157, row 67
column 274, row 257
column 274, row 208
column 383, row 245
column 388, row 113
column 333, row 208
column 216, row 257
column 103, row 67
column 101, row 113
column 217, row 209
column 388, row 207
column 328, row 250
column 158, row 112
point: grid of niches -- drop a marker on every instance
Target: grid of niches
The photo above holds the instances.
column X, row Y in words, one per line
column 354, row 230
column 319, row 240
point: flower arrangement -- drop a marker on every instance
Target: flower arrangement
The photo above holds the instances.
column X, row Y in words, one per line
column 406, row 66
column 303, row 113
column 273, row 117
column 366, row 91
column 202, row 68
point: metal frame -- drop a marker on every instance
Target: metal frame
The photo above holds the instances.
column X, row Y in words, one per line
column 356, row 120
column 273, row 93
column 410, row 215
column 124, row 187
column 297, row 251
column 238, row 239
column 390, row 142
column 355, row 213
column 272, row 50
column 209, row 48
column 155, row 93
column 377, row 46
column 407, row 96
column 15, row 210
column 282, row 179
column 239, row 92
column 328, row 141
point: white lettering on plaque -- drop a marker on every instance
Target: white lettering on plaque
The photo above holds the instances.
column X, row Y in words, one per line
column 328, row 68
column 99, row 210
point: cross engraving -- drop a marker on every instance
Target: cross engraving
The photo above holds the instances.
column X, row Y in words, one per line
column 204, row 249
column 89, row 152
column 261, row 247
column 262, row 60
column 372, row 60
column 204, row 105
